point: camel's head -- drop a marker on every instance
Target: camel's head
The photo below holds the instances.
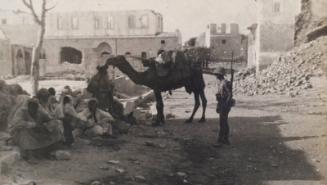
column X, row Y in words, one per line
column 102, row 69
column 116, row 61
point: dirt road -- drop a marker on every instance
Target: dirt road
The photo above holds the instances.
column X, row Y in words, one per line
column 275, row 140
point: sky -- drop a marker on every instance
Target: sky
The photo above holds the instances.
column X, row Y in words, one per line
column 189, row 16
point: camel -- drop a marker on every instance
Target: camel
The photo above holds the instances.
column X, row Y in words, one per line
column 182, row 74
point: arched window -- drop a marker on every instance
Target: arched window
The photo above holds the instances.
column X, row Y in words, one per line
column 70, row 55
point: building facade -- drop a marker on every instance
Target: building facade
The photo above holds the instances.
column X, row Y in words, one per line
column 275, row 29
column 17, row 38
column 223, row 43
column 83, row 38
column 79, row 41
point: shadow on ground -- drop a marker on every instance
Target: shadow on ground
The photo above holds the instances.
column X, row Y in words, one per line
column 259, row 153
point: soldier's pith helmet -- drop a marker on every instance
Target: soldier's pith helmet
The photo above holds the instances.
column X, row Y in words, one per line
column 219, row 70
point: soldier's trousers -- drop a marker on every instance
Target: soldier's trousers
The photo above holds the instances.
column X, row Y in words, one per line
column 224, row 127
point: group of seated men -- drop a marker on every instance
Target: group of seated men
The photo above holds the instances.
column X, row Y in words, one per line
column 40, row 124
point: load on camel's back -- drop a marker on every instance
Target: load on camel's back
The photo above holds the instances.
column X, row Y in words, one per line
column 8, row 94
column 177, row 69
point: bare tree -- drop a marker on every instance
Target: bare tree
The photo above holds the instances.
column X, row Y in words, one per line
column 40, row 21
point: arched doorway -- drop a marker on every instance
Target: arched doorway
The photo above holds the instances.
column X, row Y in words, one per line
column 103, row 50
column 20, row 62
column 28, row 62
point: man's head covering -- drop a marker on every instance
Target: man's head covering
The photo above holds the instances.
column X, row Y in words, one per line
column 92, row 100
column 42, row 94
column 33, row 102
column 219, row 70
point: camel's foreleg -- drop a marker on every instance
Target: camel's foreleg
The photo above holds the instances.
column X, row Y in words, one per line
column 160, row 109
column 204, row 106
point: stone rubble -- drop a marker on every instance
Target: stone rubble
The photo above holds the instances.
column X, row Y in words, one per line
column 288, row 75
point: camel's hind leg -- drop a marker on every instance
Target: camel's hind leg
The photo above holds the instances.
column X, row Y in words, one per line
column 204, row 106
column 196, row 107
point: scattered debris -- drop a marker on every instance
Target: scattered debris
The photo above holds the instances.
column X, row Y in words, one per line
column 181, row 174
column 120, row 170
column 62, row 155
column 140, row 178
column 113, row 162
column 96, row 183
column 289, row 75
column 104, row 167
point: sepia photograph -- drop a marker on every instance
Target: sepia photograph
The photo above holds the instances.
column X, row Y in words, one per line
column 163, row 92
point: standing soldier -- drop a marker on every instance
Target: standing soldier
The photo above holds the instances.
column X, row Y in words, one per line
column 225, row 102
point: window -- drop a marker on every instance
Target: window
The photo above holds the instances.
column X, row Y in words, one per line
column 70, row 55
column 223, row 41
column 276, row 7
column 74, row 23
column 97, row 23
column 143, row 21
column 110, row 23
column 131, row 21
column 60, row 25
column 3, row 21
column 138, row 22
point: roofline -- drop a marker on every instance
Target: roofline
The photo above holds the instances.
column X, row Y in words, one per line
column 108, row 37
column 104, row 11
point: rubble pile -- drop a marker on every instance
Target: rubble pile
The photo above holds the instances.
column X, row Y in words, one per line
column 289, row 74
column 307, row 22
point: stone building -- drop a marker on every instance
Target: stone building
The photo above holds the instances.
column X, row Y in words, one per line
column 274, row 31
column 83, row 38
column 223, row 43
column 78, row 41
column 17, row 37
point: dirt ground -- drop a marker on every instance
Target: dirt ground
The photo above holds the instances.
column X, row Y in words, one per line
column 276, row 140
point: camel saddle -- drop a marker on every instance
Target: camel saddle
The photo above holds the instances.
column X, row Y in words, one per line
column 169, row 62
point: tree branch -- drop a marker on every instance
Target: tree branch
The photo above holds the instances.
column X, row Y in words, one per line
column 50, row 8
column 30, row 6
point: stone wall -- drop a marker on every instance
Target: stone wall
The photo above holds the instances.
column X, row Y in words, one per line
column 276, row 37
column 91, row 57
column 5, row 58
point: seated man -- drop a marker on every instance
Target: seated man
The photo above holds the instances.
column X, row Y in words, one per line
column 43, row 96
column 33, row 131
column 164, row 62
column 98, row 122
column 52, row 102
column 66, row 112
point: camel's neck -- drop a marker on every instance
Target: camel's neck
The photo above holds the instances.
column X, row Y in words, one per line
column 125, row 67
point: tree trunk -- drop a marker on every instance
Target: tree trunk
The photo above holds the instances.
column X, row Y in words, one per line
column 35, row 60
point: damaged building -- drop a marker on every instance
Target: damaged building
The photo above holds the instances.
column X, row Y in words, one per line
column 273, row 34
column 15, row 47
column 224, row 43
column 83, row 38
column 283, row 24
column 78, row 41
